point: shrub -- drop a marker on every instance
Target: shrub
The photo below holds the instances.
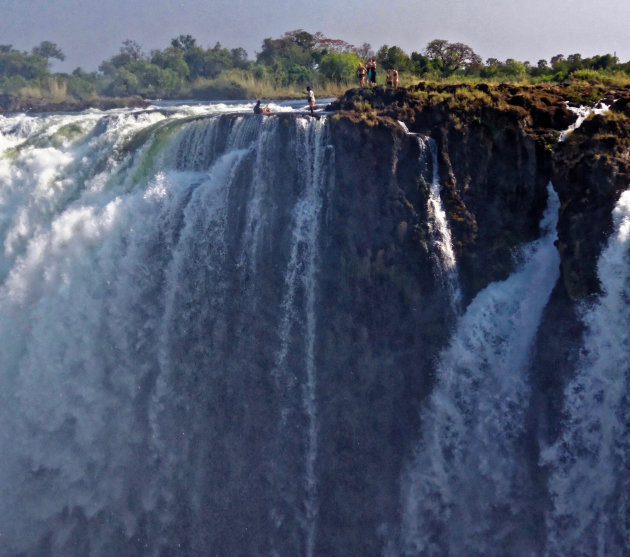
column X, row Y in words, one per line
column 339, row 66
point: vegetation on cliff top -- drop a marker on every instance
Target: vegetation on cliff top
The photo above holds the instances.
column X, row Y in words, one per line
column 282, row 69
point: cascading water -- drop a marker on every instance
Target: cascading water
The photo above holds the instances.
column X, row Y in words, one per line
column 582, row 113
column 590, row 462
column 146, row 347
column 441, row 234
column 444, row 260
column 466, row 490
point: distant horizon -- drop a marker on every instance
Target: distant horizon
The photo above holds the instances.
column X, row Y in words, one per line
column 89, row 32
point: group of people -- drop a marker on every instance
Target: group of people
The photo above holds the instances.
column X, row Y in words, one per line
column 366, row 74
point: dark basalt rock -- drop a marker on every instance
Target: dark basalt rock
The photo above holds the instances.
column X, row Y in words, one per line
column 380, row 290
column 498, row 149
column 590, row 171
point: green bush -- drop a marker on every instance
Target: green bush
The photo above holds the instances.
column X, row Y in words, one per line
column 339, row 66
column 80, row 88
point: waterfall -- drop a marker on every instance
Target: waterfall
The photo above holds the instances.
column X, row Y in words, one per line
column 582, row 113
column 210, row 347
column 466, row 490
column 590, row 462
column 158, row 316
column 300, row 281
column 443, row 256
column 441, row 234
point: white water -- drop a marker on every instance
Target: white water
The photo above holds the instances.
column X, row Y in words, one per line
column 113, row 277
column 445, row 263
column 582, row 113
column 441, row 235
column 590, row 462
column 465, row 492
column 300, row 280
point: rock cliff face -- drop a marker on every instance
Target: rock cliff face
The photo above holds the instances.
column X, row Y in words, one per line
column 498, row 149
column 590, row 171
column 382, row 322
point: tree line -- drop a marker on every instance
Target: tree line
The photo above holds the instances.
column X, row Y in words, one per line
column 186, row 69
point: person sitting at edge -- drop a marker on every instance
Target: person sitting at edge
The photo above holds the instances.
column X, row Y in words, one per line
column 262, row 110
column 311, row 99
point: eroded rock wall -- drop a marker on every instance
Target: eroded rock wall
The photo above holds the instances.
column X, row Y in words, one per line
column 498, row 149
column 383, row 317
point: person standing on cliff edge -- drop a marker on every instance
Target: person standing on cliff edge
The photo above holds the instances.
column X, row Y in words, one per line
column 361, row 73
column 311, row 100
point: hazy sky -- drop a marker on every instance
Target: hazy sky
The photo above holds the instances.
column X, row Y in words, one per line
column 90, row 31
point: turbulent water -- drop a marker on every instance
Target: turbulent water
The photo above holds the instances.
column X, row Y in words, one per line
column 161, row 388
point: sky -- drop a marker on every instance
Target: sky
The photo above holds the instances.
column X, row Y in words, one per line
column 90, row 31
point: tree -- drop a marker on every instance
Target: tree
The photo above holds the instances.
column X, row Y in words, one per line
column 15, row 63
column 48, row 50
column 364, row 51
column 129, row 52
column 184, row 42
column 461, row 56
column 436, row 49
column 452, row 56
column 302, row 38
column 171, row 58
column 390, row 57
column 605, row 62
column 513, row 68
column 285, row 52
column 557, row 62
column 125, row 83
column 574, row 61
column 423, row 65
column 214, row 60
column 131, row 49
column 239, row 58
column 339, row 66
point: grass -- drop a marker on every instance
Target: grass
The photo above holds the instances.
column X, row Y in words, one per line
column 239, row 84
